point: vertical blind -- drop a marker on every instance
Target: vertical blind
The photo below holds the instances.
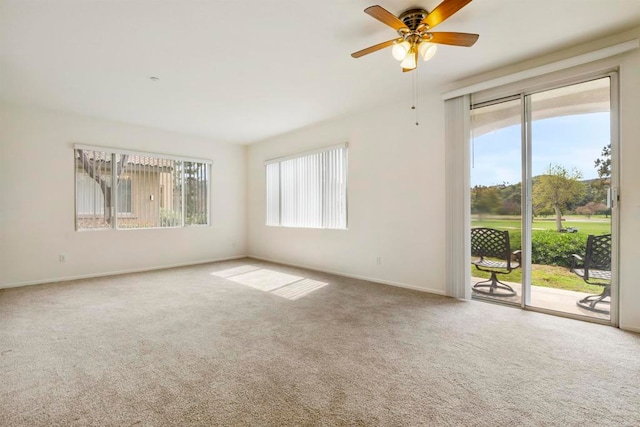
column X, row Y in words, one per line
column 308, row 190
column 457, row 168
column 150, row 192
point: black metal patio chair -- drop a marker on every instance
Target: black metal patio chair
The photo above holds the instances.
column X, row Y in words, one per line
column 493, row 249
column 595, row 269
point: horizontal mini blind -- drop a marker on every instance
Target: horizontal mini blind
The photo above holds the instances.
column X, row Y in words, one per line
column 151, row 191
column 308, row 190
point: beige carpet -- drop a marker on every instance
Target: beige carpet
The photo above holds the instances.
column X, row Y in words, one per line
column 252, row 343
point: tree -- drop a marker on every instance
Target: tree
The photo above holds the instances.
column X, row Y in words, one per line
column 195, row 188
column 95, row 168
column 556, row 189
column 510, row 199
column 484, row 200
column 591, row 208
column 603, row 163
column 603, row 166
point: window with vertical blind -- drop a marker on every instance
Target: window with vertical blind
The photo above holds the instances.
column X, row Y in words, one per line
column 150, row 191
column 308, row 190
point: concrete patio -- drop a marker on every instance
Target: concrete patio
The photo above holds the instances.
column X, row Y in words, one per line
column 548, row 298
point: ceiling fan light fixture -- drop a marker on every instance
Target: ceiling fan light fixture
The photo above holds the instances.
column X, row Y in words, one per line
column 427, row 50
column 400, row 50
column 414, row 37
column 409, row 62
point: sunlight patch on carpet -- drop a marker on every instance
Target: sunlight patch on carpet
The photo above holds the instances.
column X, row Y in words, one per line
column 235, row 271
column 299, row 289
column 283, row 285
column 265, row 280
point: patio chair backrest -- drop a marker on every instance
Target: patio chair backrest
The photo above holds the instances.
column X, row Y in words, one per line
column 598, row 256
column 489, row 242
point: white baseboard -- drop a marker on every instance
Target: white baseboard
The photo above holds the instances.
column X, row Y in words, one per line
column 186, row 264
column 630, row 328
column 353, row 276
column 115, row 273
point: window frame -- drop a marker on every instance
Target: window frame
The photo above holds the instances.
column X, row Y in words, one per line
column 344, row 174
column 113, row 152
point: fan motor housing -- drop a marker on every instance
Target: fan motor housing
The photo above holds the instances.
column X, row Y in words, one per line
column 413, row 17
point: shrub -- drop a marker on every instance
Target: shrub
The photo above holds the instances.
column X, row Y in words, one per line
column 550, row 247
column 515, row 240
column 169, row 218
column 553, row 248
column 197, row 218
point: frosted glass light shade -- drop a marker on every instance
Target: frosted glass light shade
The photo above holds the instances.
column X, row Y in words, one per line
column 409, row 61
column 427, row 50
column 399, row 50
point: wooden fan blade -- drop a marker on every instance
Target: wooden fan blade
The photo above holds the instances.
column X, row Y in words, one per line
column 374, row 48
column 455, row 39
column 384, row 16
column 443, row 11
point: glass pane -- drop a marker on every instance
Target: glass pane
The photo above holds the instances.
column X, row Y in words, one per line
column 134, row 168
column 195, row 189
column 301, row 191
column 273, row 193
column 308, row 191
column 124, row 195
column 571, row 169
column 171, row 190
column 146, row 192
column 496, row 188
column 93, row 189
column 124, row 206
column 335, row 187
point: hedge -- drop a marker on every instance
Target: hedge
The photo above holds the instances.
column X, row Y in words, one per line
column 550, row 247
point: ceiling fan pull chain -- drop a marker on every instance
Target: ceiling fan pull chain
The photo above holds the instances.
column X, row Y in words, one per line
column 415, row 94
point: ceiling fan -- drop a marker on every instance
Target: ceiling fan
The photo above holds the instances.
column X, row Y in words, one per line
column 414, row 28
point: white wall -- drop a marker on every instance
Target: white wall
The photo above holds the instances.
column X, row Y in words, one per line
column 395, row 198
column 37, row 200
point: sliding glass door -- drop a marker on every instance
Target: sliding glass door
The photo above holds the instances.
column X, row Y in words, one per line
column 543, row 199
column 570, row 138
column 496, row 174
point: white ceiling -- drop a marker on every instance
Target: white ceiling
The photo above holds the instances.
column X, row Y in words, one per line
column 242, row 71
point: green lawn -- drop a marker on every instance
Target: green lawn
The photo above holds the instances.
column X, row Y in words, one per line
column 547, row 275
column 595, row 225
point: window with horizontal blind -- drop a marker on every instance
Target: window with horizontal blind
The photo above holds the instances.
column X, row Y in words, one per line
column 308, row 190
column 150, row 191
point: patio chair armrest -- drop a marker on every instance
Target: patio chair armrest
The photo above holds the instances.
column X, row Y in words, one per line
column 517, row 256
column 575, row 259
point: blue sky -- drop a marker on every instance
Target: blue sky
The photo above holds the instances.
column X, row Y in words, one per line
column 571, row 141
